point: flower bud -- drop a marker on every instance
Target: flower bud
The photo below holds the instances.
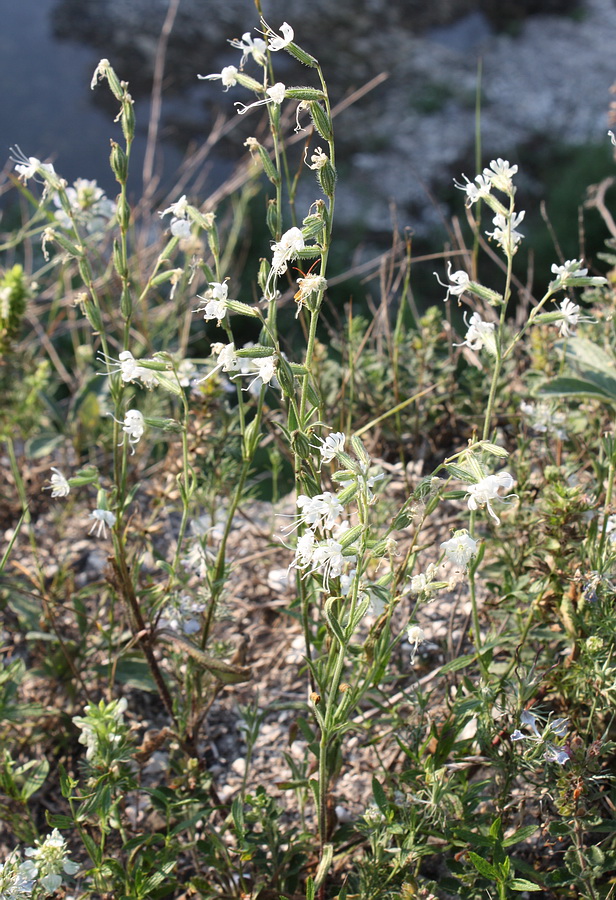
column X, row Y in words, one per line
column 285, row 377
column 271, row 217
column 326, row 177
column 118, row 162
column 300, row 443
column 304, row 93
column 126, row 302
column 321, row 121
column 305, row 58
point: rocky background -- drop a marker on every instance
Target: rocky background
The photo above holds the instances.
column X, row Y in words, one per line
column 547, row 69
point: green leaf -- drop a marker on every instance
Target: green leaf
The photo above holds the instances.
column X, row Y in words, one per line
column 326, row 860
column 521, row 884
column 380, row 797
column 333, row 622
column 310, row 889
column 520, row 835
column 483, row 866
column 574, row 387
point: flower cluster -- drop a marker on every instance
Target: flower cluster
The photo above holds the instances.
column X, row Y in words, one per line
column 487, row 489
column 180, row 225
column 557, row 727
column 88, row 204
column 479, row 334
column 499, row 175
column 51, row 859
column 130, row 369
column 102, row 727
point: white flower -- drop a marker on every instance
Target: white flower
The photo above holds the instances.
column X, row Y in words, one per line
column 318, row 159
column 215, row 300
column 559, row 727
column 177, row 209
column 305, row 549
column 570, row 313
column 51, row 858
column 505, row 233
column 422, row 583
column 250, row 47
column 500, row 173
column 275, row 94
column 17, row 878
column 287, row 248
column 228, row 76
column 89, row 206
column 569, row 267
column 329, row 560
column 487, row 489
column 475, row 190
column 29, row 166
column 460, row 548
column 133, row 427
column 331, row 445
column 227, row 357
column 265, row 369
column 101, row 518
column 459, row 281
column 320, row 511
column 279, row 43
column 100, row 72
column 59, row 486
column 415, row 636
column 479, row 334
column 544, row 420
column 129, row 369
column 308, row 285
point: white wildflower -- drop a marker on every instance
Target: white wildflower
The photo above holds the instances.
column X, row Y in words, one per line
column 255, row 47
column 500, row 174
column 133, row 427
column 321, row 511
column 308, row 285
column 29, row 166
column 475, row 190
column 17, row 878
column 460, row 282
column 479, row 334
column 89, row 206
column 331, row 446
column 101, row 519
column 486, row 490
column 460, row 548
column 570, row 313
column 287, row 248
column 51, row 859
column 228, row 76
column 215, row 301
column 505, row 233
column 415, row 636
column 129, row 369
column 59, row 486
column 275, row 95
column 318, row 159
column 279, row 43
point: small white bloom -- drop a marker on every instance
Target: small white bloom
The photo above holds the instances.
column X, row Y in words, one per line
column 59, row 486
column 180, row 228
column 133, row 427
column 305, row 549
column 17, row 878
column 570, row 317
column 29, row 166
column 287, row 248
column 479, row 334
column 129, row 369
column 415, row 636
column 500, row 174
column 227, row 357
column 331, row 445
column 250, row 47
column 460, row 548
column 318, row 159
column 275, row 95
column 308, row 285
column 228, row 76
column 100, row 72
column 265, row 369
column 101, row 519
column 177, row 209
column 459, row 282
column 475, row 190
column 321, row 511
column 505, row 233
column 486, row 490
column 215, row 300
column 51, row 859
column 279, row 43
